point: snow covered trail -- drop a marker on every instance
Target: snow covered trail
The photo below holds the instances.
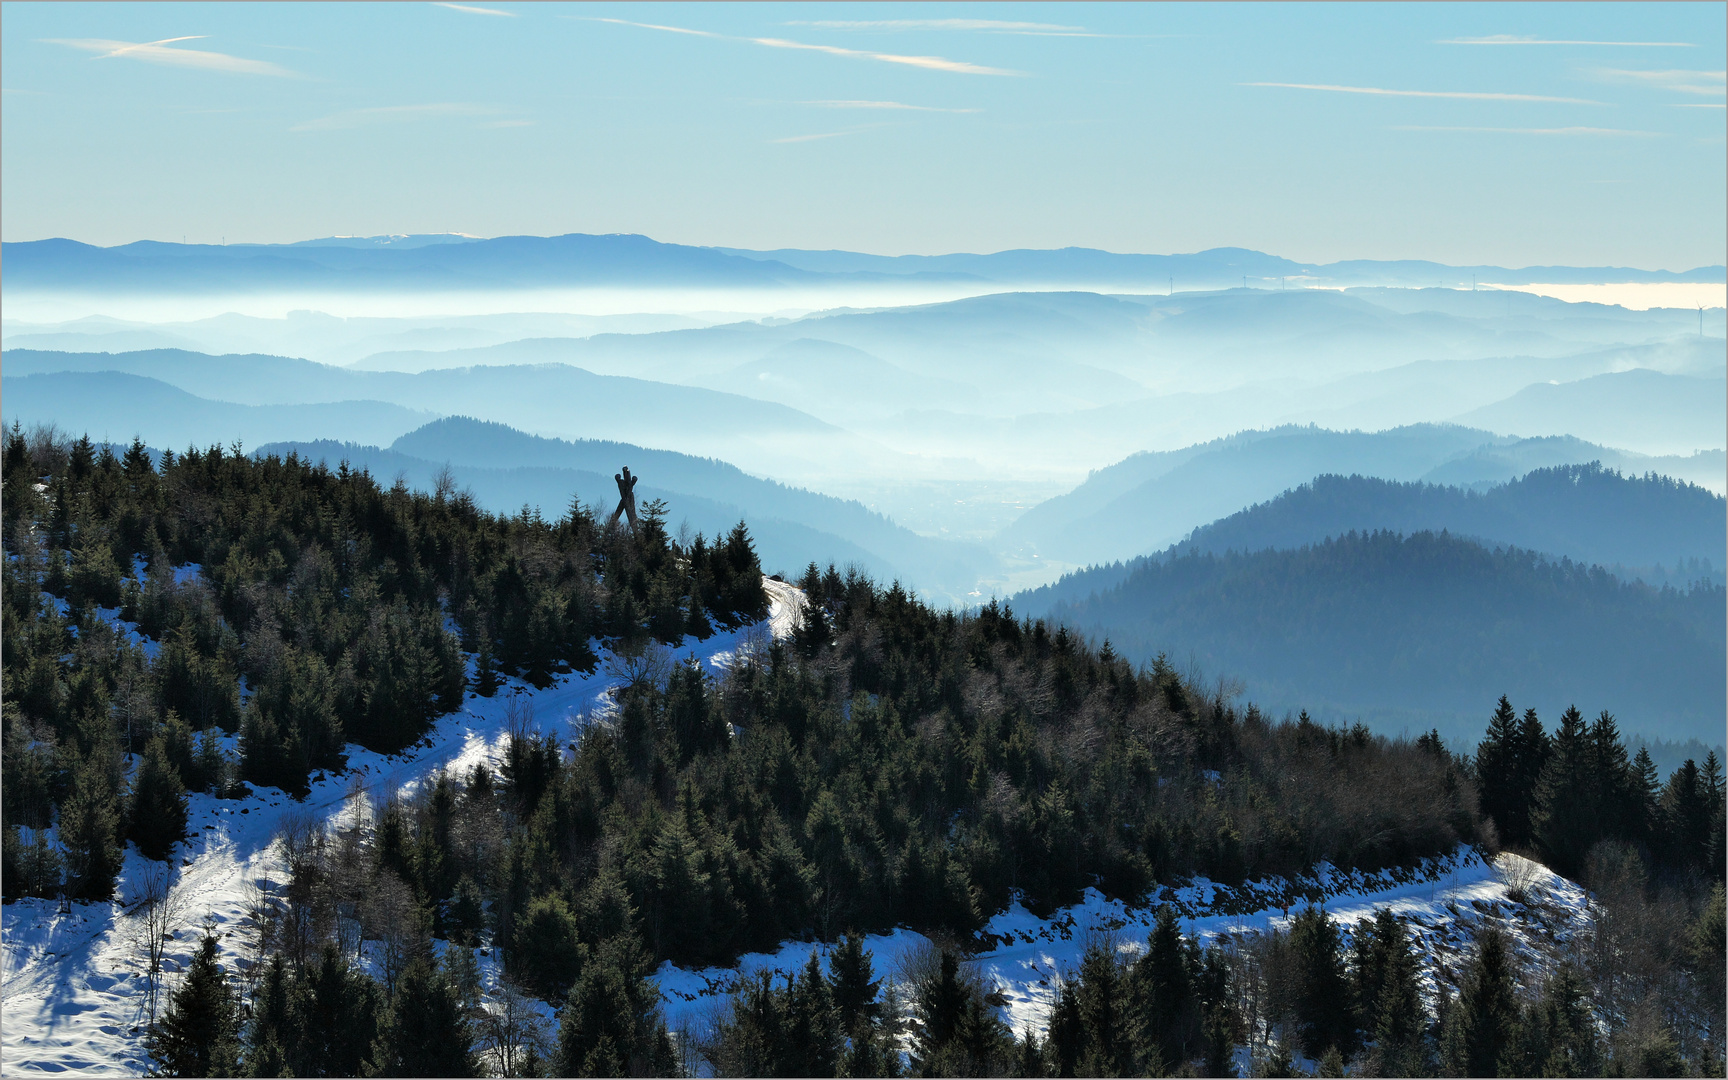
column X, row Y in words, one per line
column 1023, row 956
column 72, row 987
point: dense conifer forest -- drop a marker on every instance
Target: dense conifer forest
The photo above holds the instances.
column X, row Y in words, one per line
column 1398, row 625
column 889, row 764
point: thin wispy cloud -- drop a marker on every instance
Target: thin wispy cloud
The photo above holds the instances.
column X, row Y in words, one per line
column 884, row 105
column 1531, row 131
column 1464, row 95
column 810, row 138
column 162, row 52
column 1512, row 39
column 931, row 63
column 1679, row 82
column 472, row 10
column 1698, row 105
column 931, row 24
column 390, row 114
column 983, row 26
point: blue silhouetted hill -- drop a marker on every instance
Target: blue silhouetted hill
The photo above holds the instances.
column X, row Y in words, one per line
column 1417, row 631
column 1583, row 512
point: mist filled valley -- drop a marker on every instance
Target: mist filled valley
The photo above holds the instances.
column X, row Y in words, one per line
column 1059, row 414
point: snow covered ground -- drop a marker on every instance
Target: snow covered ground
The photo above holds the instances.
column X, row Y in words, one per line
column 72, row 986
column 1024, row 956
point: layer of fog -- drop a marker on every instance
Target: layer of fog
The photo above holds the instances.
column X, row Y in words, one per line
column 953, row 407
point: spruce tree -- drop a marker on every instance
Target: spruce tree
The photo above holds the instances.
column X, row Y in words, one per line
column 1161, row 990
column 156, row 815
column 89, row 821
column 1646, row 794
column 1324, row 1017
column 1482, row 1026
column 199, row 1034
column 337, row 1011
column 1065, row 1036
column 611, row 1024
column 813, row 1024
column 1390, row 997
column 1685, row 814
column 1557, row 1036
column 854, row 991
column 425, row 1031
column 1497, row 772
column 1108, row 1048
column 1613, row 780
column 272, row 1040
column 1567, row 821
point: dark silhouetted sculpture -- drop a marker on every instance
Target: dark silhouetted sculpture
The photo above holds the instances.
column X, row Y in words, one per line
column 626, row 497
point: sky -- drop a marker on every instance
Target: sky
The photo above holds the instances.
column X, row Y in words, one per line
column 1508, row 134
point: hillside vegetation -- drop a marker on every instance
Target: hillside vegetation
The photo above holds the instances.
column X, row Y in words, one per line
column 1584, row 513
column 886, row 764
column 1413, row 630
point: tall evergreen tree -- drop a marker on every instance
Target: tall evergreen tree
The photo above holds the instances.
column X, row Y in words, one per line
column 1065, row 1037
column 1497, row 772
column 855, row 991
column 335, row 1011
column 1104, row 1015
column 1686, row 820
column 89, row 821
column 1324, row 1017
column 813, row 1024
column 156, row 816
column 1568, row 820
column 1557, row 1035
column 425, row 1031
column 199, row 1033
column 1482, row 1026
column 1613, row 780
column 1394, row 1017
column 611, row 1025
column 271, row 1039
column 1161, row 991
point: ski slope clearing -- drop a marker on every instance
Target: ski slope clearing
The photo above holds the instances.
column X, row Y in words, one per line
column 75, row 976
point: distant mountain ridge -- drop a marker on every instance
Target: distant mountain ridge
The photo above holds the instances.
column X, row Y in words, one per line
column 1214, row 265
column 1150, row 500
column 553, row 399
column 508, row 468
column 1584, row 512
column 628, row 259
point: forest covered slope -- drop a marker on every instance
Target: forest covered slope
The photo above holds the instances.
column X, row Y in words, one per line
column 214, row 629
column 1414, row 630
column 1584, row 513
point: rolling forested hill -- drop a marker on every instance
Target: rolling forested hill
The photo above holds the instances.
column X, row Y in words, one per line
column 1582, row 512
column 1415, row 631
column 507, row 469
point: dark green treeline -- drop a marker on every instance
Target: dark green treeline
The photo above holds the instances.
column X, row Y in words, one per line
column 344, row 606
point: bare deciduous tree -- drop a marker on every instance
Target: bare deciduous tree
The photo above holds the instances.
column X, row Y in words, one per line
column 157, row 912
column 392, row 919
column 510, row 1027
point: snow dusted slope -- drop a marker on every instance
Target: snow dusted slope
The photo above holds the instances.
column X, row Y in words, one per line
column 74, row 990
column 1443, row 907
column 73, row 994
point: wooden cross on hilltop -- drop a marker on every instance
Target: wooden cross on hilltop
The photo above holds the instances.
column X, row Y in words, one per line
column 626, row 497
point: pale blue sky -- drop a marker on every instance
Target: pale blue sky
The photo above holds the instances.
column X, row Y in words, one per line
column 1597, row 138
